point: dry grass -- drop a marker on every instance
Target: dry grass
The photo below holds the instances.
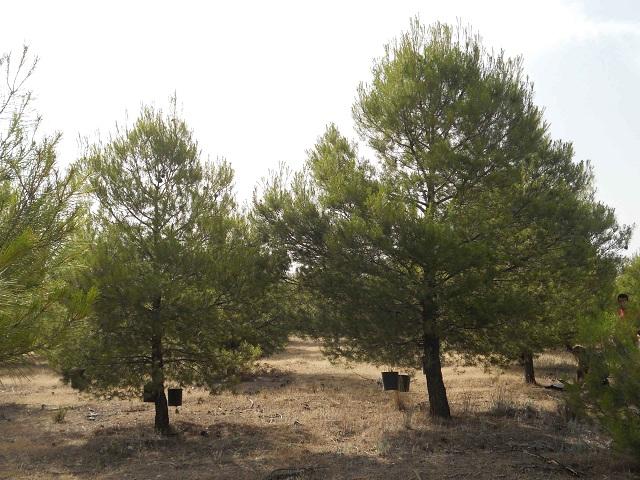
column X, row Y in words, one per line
column 300, row 412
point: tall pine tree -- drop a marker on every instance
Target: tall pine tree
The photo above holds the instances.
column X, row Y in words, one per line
column 188, row 293
column 421, row 250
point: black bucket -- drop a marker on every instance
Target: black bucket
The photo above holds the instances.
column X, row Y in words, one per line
column 403, row 383
column 390, row 380
column 175, row 397
column 148, row 393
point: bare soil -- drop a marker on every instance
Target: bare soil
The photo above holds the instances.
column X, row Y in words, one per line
column 301, row 417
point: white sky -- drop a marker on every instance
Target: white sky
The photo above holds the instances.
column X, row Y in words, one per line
column 258, row 81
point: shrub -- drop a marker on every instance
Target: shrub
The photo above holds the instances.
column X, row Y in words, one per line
column 610, row 391
column 60, row 415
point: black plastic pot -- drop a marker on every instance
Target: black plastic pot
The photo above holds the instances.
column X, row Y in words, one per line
column 148, row 393
column 390, row 380
column 403, row 383
column 174, row 397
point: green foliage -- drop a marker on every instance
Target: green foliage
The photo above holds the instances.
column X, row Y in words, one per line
column 40, row 215
column 629, row 283
column 575, row 278
column 611, row 353
column 447, row 237
column 188, row 292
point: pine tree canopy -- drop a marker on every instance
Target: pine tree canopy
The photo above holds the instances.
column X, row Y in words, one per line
column 188, row 291
column 426, row 246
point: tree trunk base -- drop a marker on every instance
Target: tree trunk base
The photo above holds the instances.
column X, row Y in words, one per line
column 161, row 423
column 529, row 372
column 438, row 402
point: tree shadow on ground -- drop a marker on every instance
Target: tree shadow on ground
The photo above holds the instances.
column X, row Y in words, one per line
column 224, row 450
column 323, row 384
column 16, row 420
column 300, row 350
column 10, row 411
column 515, row 444
column 264, row 378
column 512, row 446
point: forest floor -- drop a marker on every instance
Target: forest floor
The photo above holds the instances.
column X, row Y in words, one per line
column 319, row 420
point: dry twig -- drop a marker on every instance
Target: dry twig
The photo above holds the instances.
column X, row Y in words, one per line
column 552, row 461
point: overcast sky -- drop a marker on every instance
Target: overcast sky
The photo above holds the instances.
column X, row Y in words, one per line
column 259, row 81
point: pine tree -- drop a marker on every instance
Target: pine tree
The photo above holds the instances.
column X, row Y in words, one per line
column 40, row 216
column 571, row 277
column 610, row 388
column 188, row 293
column 421, row 250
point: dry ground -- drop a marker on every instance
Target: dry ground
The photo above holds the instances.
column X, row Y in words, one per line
column 302, row 412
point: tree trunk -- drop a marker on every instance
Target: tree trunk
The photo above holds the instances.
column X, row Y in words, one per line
column 438, row 402
column 529, row 372
column 431, row 366
column 162, row 413
column 157, row 377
